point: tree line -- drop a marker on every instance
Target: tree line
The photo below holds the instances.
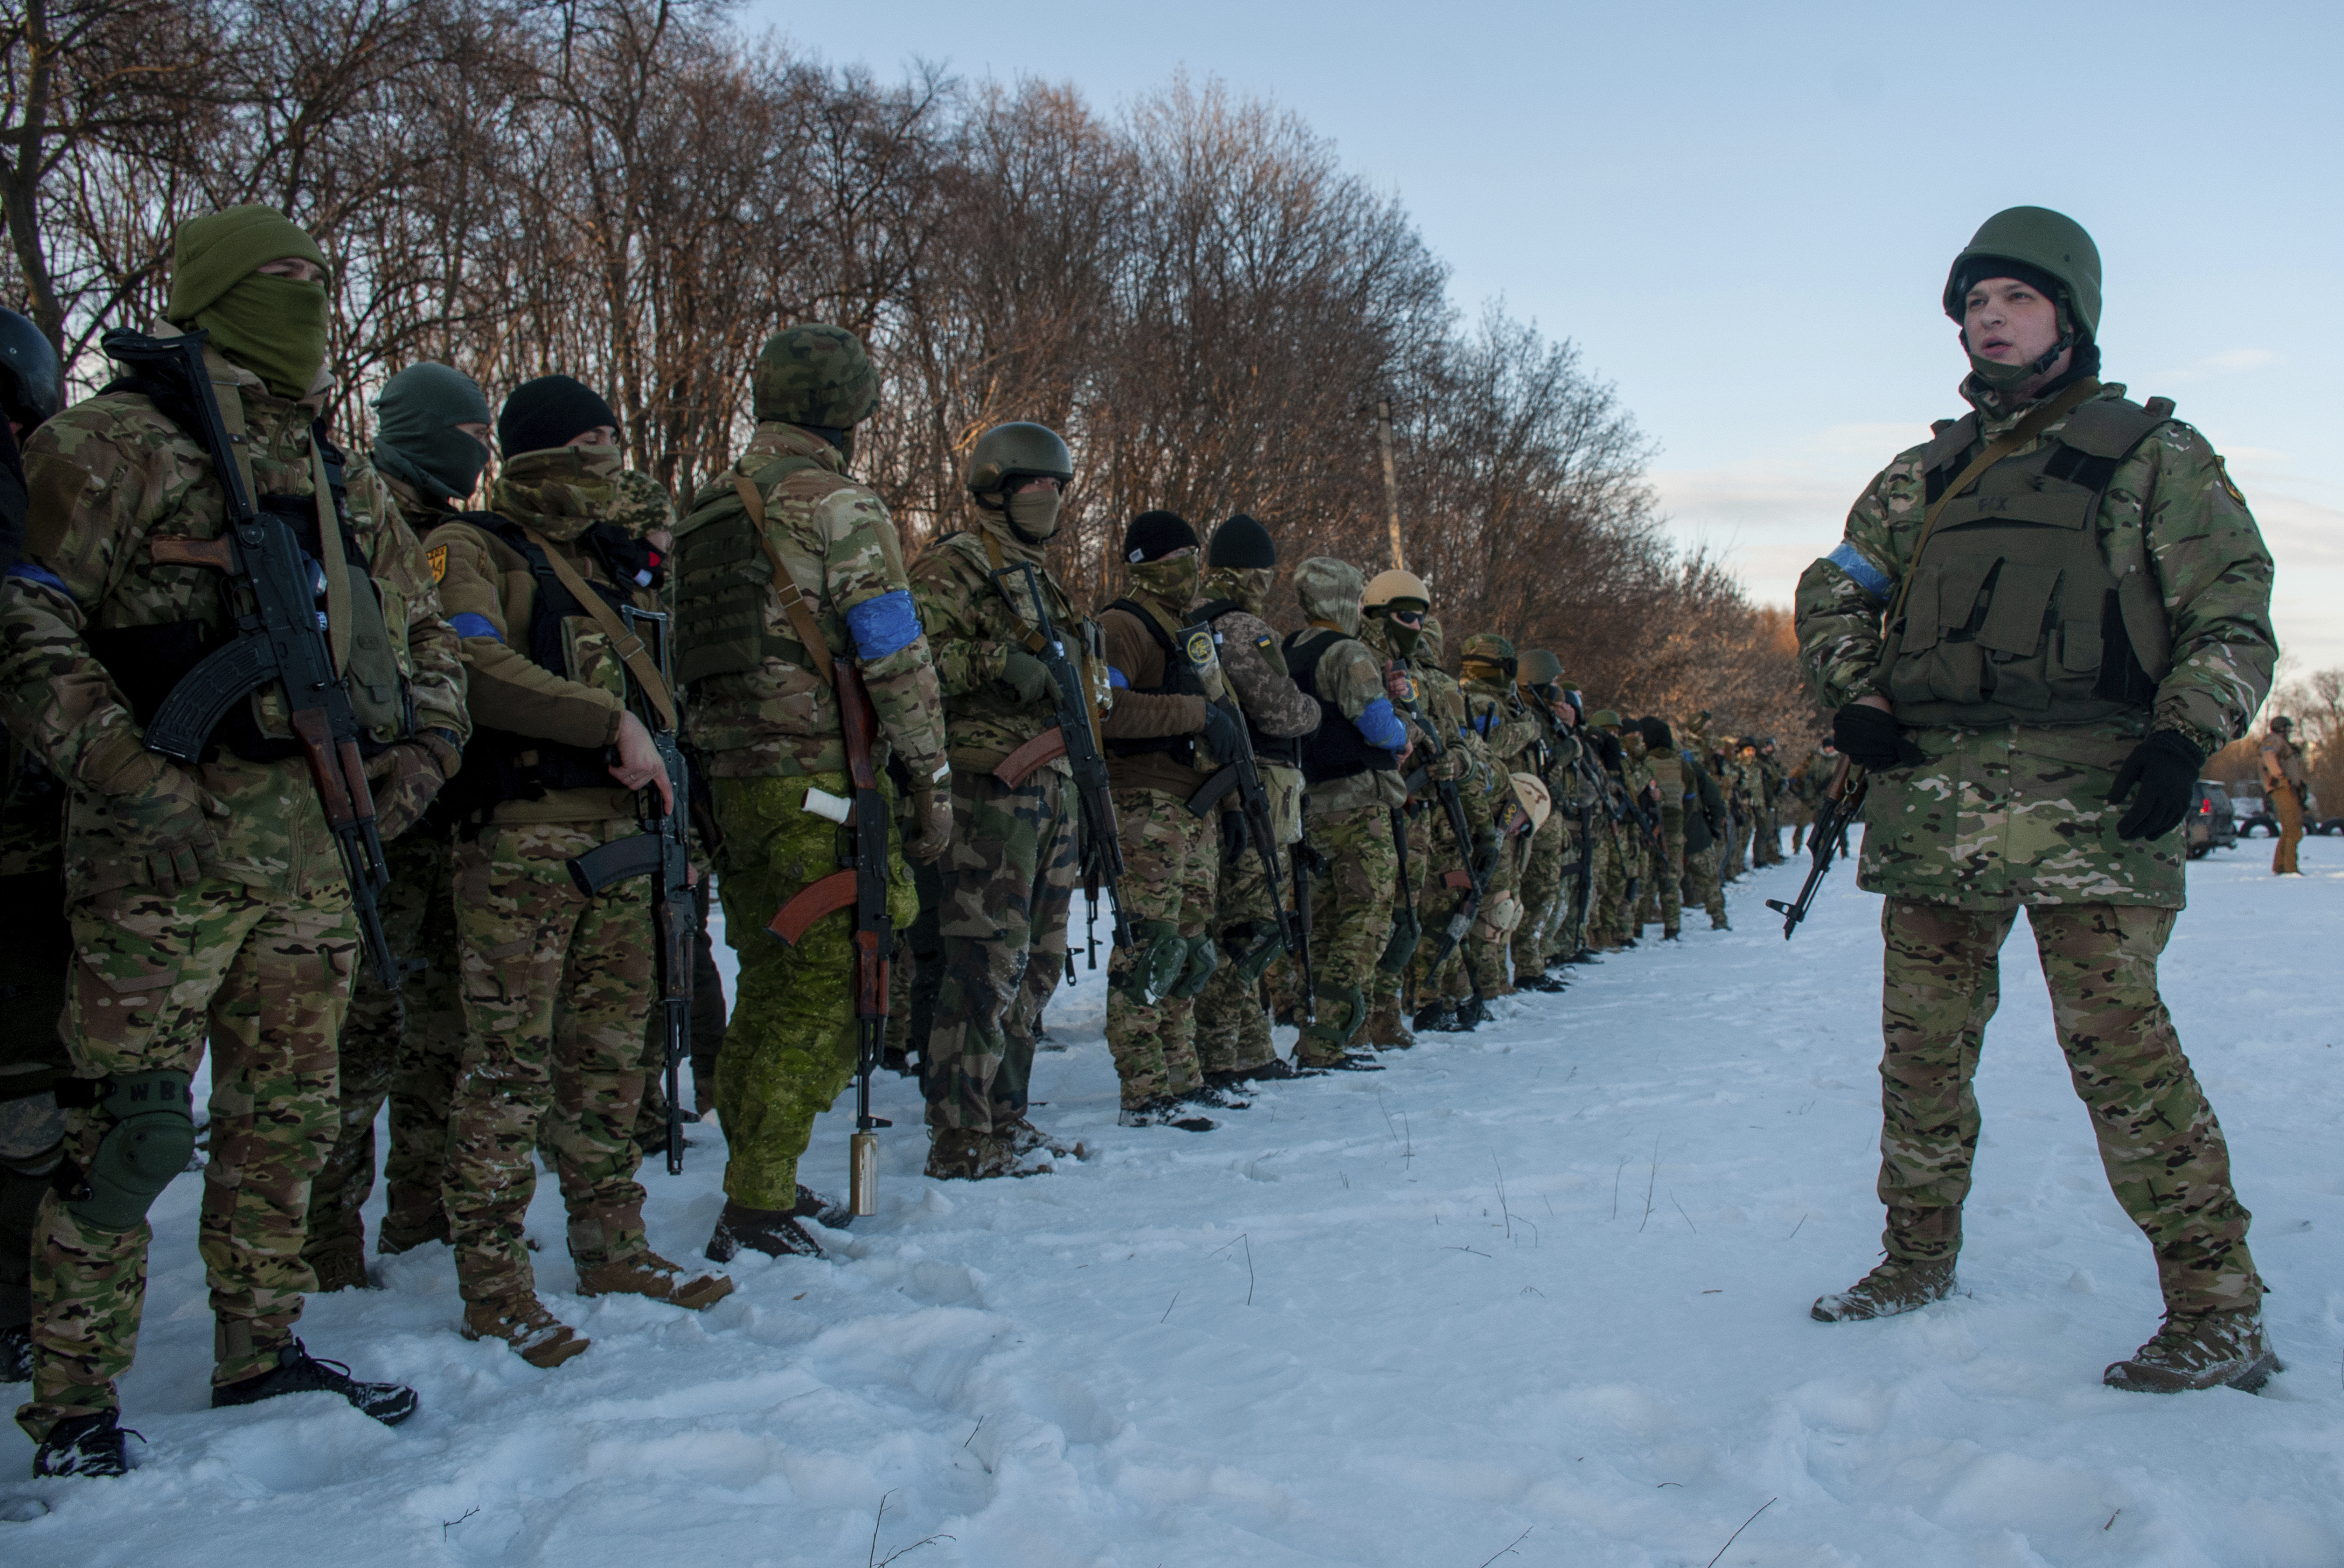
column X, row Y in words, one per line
column 1196, row 291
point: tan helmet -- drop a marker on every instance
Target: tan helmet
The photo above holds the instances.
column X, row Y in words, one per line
column 1387, row 588
column 1531, row 792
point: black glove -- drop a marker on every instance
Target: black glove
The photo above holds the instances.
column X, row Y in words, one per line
column 2161, row 777
column 1028, row 677
column 1873, row 738
column 1224, row 733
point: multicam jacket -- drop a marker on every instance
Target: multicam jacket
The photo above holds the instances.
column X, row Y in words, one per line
column 109, row 476
column 2018, row 813
column 841, row 549
column 971, row 628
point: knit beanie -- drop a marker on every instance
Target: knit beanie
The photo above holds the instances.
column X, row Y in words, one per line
column 548, row 412
column 1154, row 535
column 1242, row 542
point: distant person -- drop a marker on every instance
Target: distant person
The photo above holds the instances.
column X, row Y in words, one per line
column 2283, row 783
column 2038, row 627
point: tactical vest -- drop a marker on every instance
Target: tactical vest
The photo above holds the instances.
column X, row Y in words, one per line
column 499, row 765
column 2013, row 614
column 1185, row 661
column 146, row 662
column 723, row 576
column 1336, row 750
column 1283, row 750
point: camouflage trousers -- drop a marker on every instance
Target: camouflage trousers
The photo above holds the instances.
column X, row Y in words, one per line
column 1408, row 893
column 555, row 985
column 420, row 919
column 790, row 1047
column 267, row 976
column 1171, row 860
column 1541, row 895
column 430, row 1055
column 1350, row 922
column 1007, row 882
column 1668, row 875
column 2160, row 1143
column 1485, row 945
column 1737, row 848
column 1232, row 1027
column 1767, row 850
column 1622, row 865
column 708, row 1011
column 919, row 970
column 1701, row 884
column 36, row 954
column 1440, row 897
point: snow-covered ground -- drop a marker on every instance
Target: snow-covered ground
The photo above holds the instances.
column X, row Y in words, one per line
column 1541, row 1290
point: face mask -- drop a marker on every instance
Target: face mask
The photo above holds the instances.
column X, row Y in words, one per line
column 1034, row 514
column 273, row 327
column 561, row 493
column 1172, row 583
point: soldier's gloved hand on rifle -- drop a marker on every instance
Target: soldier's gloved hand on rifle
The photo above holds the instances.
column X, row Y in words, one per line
column 164, row 824
column 405, row 779
column 1028, row 677
column 932, row 813
column 1224, row 733
column 2161, row 778
column 1867, row 734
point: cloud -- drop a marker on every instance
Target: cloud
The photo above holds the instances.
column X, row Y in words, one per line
column 2230, row 362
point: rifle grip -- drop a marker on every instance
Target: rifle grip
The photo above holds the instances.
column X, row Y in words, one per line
column 168, row 550
column 810, row 903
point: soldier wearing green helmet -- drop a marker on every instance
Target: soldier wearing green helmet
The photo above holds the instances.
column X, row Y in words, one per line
column 785, row 565
column 992, row 939
column 2039, row 626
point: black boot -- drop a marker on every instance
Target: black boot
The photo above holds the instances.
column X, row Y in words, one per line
column 85, row 1445
column 772, row 1232
column 1435, row 1017
column 1164, row 1111
column 1217, row 1098
column 827, row 1211
column 299, row 1372
column 16, row 1353
column 1549, row 983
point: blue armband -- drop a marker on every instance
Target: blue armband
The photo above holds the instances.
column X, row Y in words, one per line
column 1861, row 573
column 1117, row 680
column 883, row 625
column 41, row 575
column 470, row 625
column 1378, row 725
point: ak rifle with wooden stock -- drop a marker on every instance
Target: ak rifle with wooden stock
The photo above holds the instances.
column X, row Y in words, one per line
column 1835, row 814
column 279, row 637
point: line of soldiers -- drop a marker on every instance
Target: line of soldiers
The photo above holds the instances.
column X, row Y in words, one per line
column 1328, row 827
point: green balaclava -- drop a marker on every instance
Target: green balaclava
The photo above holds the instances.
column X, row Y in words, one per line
column 416, row 440
column 1171, row 583
column 273, row 327
column 561, row 492
column 1247, row 586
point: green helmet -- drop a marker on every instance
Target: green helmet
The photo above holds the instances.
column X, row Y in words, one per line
column 1603, row 718
column 815, row 375
column 1489, row 648
column 1540, row 667
column 2048, row 242
column 1008, row 451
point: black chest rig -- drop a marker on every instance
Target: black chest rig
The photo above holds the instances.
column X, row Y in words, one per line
column 1184, row 663
column 1336, row 750
column 2013, row 613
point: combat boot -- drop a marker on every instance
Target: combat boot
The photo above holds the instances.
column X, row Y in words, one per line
column 1385, row 1030
column 1896, row 1285
column 967, row 1154
column 1027, row 1139
column 648, row 1274
column 772, row 1232
column 2200, row 1350
column 1549, row 983
column 340, row 1264
column 521, row 1321
column 16, row 1353
column 827, row 1213
column 299, row 1372
column 85, row 1445
column 413, row 1219
column 1436, row 1017
column 1471, row 1014
column 1212, row 1095
column 1164, row 1111
column 1719, row 924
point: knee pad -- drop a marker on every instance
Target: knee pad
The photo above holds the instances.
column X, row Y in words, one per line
column 1260, row 950
column 153, row 1136
column 1343, row 1011
column 1160, row 959
column 1406, row 932
column 1203, row 958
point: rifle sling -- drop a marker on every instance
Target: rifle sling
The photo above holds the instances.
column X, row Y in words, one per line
column 785, row 588
column 624, row 640
column 996, row 564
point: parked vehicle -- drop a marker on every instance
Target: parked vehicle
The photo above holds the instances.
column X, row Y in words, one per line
column 2211, row 824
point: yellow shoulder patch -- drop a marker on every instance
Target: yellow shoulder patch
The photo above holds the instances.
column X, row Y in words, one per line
column 438, row 556
column 2222, row 472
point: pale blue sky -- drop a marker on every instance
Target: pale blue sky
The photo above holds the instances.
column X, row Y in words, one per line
column 1745, row 213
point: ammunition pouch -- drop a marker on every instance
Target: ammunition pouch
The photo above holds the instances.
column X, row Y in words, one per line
column 1204, row 958
column 1160, row 961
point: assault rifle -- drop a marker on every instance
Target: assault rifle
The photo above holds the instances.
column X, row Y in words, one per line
column 861, row 882
column 1075, row 737
column 662, row 852
column 1835, row 814
column 1308, row 863
column 1242, row 774
column 281, row 636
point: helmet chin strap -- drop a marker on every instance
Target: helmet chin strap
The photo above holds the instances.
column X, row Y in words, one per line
column 2003, row 378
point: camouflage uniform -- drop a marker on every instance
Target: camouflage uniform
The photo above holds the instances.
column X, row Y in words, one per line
column 555, row 984
column 1667, row 863
column 1171, row 855
column 771, row 732
column 1005, row 885
column 1447, row 860
column 1772, row 794
column 1503, row 724
column 2012, row 815
column 1703, row 817
column 36, row 953
column 1232, row 1029
column 1430, row 765
column 258, row 947
column 1347, row 818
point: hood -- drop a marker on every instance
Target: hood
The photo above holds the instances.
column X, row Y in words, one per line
column 1329, row 590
